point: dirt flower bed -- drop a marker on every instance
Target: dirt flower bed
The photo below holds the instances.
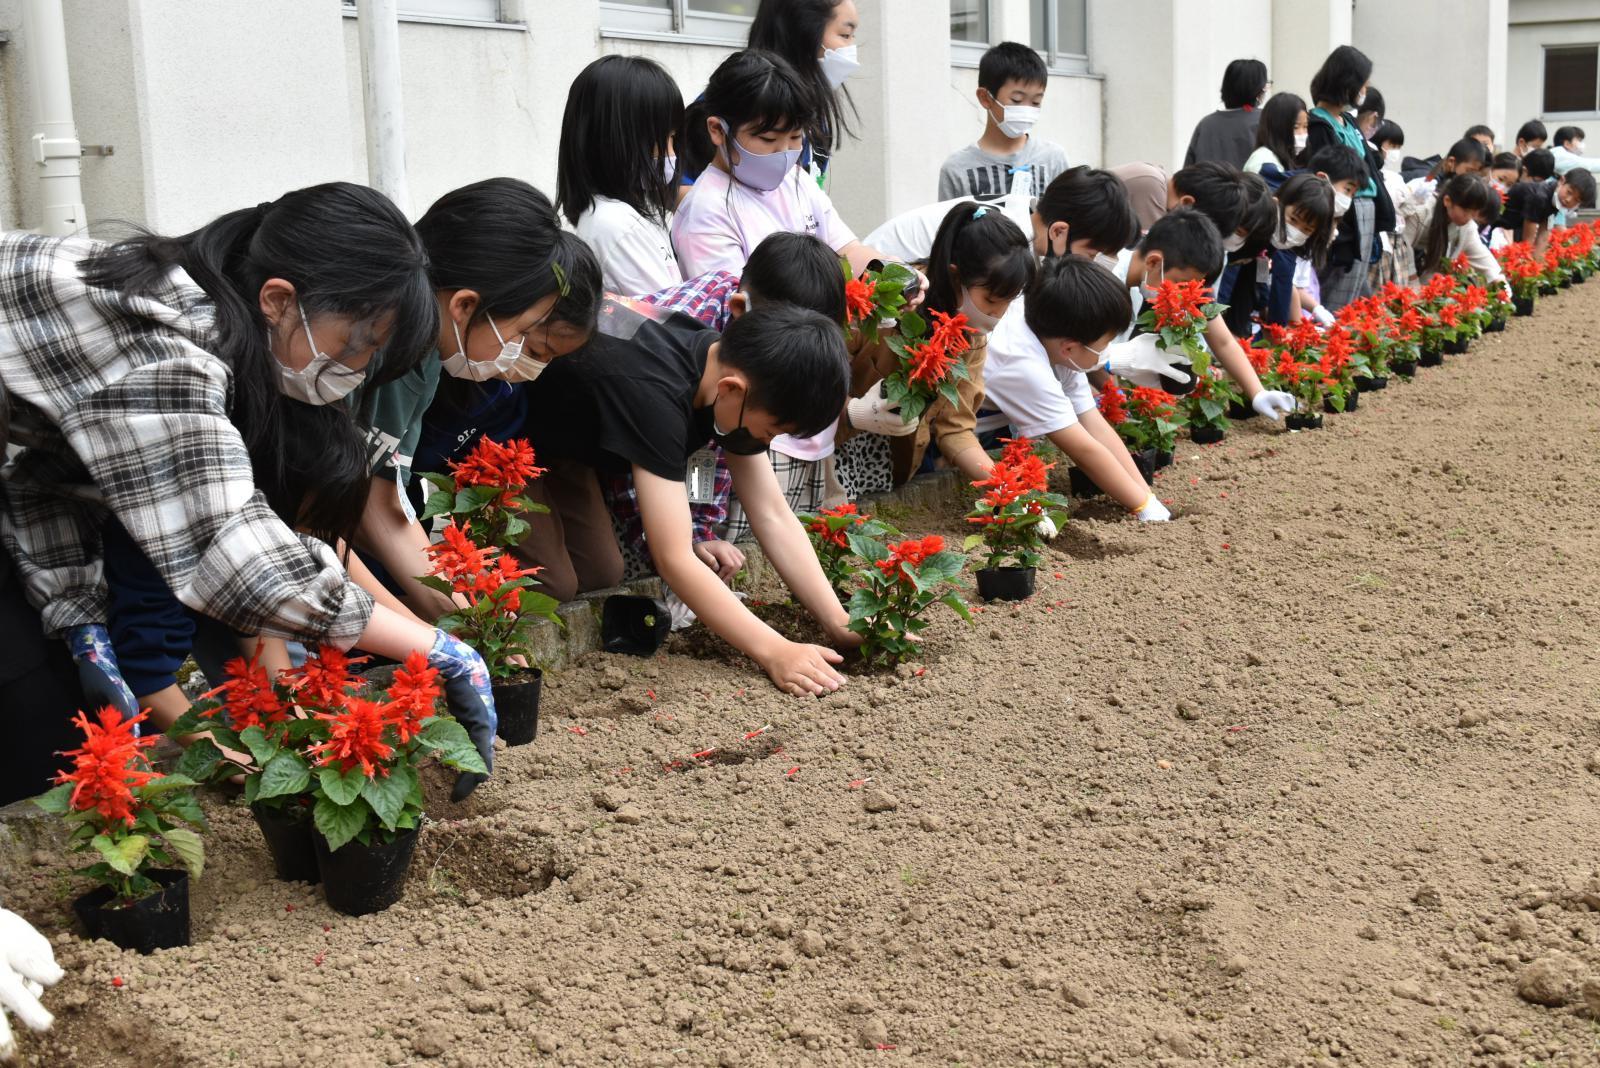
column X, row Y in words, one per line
column 1309, row 776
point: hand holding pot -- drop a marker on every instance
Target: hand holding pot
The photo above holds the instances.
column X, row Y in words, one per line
column 90, row 646
column 27, row 966
column 1272, row 403
column 468, row 693
column 1142, row 362
column 873, row 414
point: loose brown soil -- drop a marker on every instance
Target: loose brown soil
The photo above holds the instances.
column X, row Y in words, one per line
column 1307, row 777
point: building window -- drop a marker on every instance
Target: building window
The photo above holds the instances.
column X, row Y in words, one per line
column 1059, row 29
column 1572, row 79
column 717, row 22
column 971, row 31
column 449, row 12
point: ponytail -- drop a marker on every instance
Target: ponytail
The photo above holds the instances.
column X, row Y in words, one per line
column 986, row 249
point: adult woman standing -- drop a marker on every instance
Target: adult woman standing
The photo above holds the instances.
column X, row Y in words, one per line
column 1338, row 90
column 162, row 380
column 1229, row 135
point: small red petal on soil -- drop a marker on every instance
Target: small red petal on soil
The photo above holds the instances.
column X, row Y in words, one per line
column 921, row 671
column 703, row 753
column 1236, row 730
column 883, row 1047
column 318, row 959
column 758, row 732
column 116, row 981
column 1224, row 496
column 624, row 771
column 856, row 784
column 1194, row 482
column 1225, row 545
column 1060, row 575
column 775, row 750
column 652, row 694
column 739, row 692
column 792, row 771
column 326, row 928
column 288, row 908
column 577, row 730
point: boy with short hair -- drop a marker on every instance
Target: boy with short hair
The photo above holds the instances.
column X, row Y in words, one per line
column 1011, row 84
column 649, row 391
column 1531, row 205
column 1569, row 151
column 1532, row 135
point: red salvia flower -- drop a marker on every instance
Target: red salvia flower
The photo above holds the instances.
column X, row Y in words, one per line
column 323, row 681
column 508, row 466
column 913, row 552
column 819, row 526
column 950, row 333
column 1113, row 404
column 930, row 363
column 1152, row 403
column 248, row 696
column 355, row 738
column 1178, row 304
column 412, row 696
column 858, row 299
column 108, row 766
column 455, row 556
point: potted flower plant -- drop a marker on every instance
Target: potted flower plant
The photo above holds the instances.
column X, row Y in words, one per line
column 928, row 362
column 484, row 497
column 1366, row 323
column 1522, row 270
column 141, row 829
column 1338, row 372
column 1206, row 407
column 1441, row 319
column 1308, row 383
column 1151, row 427
column 1178, row 315
column 1016, row 503
column 900, row 581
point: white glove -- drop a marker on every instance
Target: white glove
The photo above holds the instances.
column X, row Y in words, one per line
column 873, row 415
column 1153, row 511
column 1141, row 362
column 1046, row 528
column 1322, row 315
column 27, row 966
column 1273, row 403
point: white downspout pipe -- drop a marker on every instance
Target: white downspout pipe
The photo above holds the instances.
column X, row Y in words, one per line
column 378, row 22
column 54, row 144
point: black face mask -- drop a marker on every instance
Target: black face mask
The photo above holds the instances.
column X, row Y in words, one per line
column 738, row 441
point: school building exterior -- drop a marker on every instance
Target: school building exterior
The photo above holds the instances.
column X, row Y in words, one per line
column 187, row 108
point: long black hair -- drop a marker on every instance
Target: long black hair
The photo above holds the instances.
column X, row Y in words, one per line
column 749, row 87
column 348, row 251
column 1275, row 130
column 793, row 29
column 1467, row 191
column 986, row 249
column 501, row 238
column 1340, row 78
column 622, row 113
column 1312, row 197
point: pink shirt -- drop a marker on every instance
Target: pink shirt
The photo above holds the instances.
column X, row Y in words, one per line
column 721, row 222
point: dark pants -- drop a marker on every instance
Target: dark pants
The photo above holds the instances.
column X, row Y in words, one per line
column 40, row 683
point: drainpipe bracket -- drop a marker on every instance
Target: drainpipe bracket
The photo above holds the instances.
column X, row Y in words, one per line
column 46, row 149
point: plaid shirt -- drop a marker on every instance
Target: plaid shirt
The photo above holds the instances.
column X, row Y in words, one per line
column 118, row 404
column 706, row 299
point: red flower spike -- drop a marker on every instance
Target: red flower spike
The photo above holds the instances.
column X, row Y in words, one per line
column 108, row 766
column 355, row 738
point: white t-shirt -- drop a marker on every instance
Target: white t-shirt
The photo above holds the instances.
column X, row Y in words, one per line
column 720, row 222
column 1037, row 396
column 635, row 253
column 909, row 237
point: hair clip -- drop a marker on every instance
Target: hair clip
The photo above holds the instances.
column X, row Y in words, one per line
column 980, row 213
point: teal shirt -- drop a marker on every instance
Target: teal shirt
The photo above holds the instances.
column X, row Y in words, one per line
column 397, row 419
column 1346, row 132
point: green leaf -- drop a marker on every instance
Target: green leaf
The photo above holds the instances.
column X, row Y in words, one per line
column 387, row 795
column 867, row 548
column 341, row 789
column 953, row 599
column 451, row 741
column 184, row 806
column 166, row 784
column 473, row 499
column 972, row 542
column 947, row 390
column 252, row 787
column 443, row 483
column 437, row 584
column 199, row 761
column 57, row 800
column 340, row 823
column 191, row 722
column 913, row 325
column 438, row 504
column 261, row 747
column 123, row 856
column 189, row 846
column 285, row 773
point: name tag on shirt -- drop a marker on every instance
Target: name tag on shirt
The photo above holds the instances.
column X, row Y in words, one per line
column 702, row 479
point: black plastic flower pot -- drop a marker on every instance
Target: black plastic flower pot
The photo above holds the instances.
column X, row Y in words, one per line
column 1564, row 283
column 1522, row 305
column 1579, row 277
column 1240, row 410
column 1430, row 357
column 1207, row 435
column 637, row 626
column 1080, row 484
column 360, row 879
column 287, row 832
column 1304, row 421
column 1373, row 384
column 1458, row 347
column 1163, row 459
column 516, row 702
column 1352, row 401
column 1005, row 583
column 1403, row 368
column 1145, row 461
column 1496, row 325
column 1546, row 289
column 157, row 921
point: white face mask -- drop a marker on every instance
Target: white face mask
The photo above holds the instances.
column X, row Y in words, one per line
column 976, row 317
column 839, row 63
column 669, row 169
column 1341, row 203
column 322, row 381
column 1106, row 261
column 1233, row 243
column 1362, row 99
column 1301, row 139
column 1577, row 148
column 1391, row 160
column 526, row 369
column 1149, row 291
column 463, row 366
column 1018, row 120
column 1293, row 237
column 1099, row 359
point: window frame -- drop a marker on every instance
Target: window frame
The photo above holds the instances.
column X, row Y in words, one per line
column 1544, row 59
column 680, row 24
column 970, row 53
column 501, row 21
column 1057, row 61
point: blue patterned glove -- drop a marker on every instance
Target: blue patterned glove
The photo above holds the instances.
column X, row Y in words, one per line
column 90, row 646
column 468, row 694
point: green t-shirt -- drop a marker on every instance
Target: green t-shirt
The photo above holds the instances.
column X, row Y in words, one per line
column 1351, row 138
column 397, row 419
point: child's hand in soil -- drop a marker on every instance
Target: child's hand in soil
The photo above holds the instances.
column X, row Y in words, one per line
column 803, row 669
column 725, row 558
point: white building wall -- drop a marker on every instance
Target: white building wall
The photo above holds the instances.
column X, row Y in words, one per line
column 1535, row 24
